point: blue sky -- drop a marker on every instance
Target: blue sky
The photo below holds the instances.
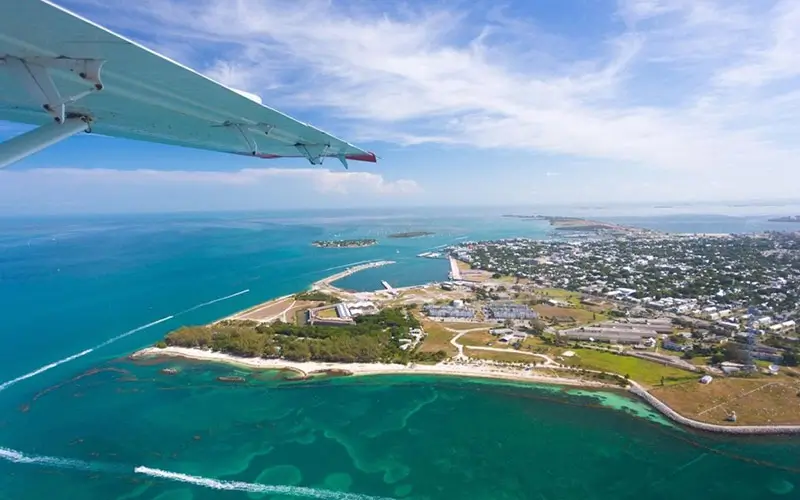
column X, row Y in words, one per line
column 521, row 102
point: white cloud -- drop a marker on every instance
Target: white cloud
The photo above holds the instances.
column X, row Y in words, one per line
column 669, row 90
column 73, row 189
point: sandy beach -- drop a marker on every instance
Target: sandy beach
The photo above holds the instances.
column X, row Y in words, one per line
column 483, row 370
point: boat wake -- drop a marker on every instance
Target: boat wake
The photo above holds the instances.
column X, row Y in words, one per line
column 39, row 371
column 43, row 369
column 68, row 463
column 297, row 491
column 204, row 304
column 60, row 463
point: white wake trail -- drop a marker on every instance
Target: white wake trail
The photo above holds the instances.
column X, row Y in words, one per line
column 38, row 371
column 298, row 491
column 61, row 463
column 131, row 332
column 43, row 369
column 204, row 304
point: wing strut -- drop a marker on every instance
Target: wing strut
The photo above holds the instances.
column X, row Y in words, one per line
column 34, row 74
column 35, row 140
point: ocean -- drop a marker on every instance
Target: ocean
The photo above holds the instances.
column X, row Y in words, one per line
column 80, row 420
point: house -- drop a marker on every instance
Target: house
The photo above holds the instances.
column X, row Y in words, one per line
column 674, row 346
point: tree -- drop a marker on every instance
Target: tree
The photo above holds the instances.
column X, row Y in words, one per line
column 537, row 327
column 496, row 276
column 791, row 358
column 734, row 352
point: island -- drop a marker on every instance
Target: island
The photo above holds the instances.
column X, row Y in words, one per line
column 368, row 242
column 788, row 218
column 525, row 217
column 411, row 234
column 577, row 224
column 611, row 318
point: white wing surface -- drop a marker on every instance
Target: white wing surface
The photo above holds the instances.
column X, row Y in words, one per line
column 70, row 75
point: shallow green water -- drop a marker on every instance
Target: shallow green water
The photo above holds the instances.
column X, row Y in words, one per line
column 388, row 437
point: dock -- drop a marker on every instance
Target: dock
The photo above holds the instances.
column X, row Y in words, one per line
column 388, row 287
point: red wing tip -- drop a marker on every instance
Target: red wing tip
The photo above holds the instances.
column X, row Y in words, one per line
column 368, row 156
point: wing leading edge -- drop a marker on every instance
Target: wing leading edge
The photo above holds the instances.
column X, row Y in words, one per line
column 68, row 75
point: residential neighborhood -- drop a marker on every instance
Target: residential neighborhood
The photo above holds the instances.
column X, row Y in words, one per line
column 730, row 298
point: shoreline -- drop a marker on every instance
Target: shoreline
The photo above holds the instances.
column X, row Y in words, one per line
column 311, row 368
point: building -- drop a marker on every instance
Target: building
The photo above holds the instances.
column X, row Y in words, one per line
column 449, row 312
column 674, row 346
column 605, row 334
column 509, row 310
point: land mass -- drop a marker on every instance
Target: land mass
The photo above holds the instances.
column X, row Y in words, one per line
column 345, row 243
column 788, row 218
column 411, row 234
column 496, row 321
column 577, row 224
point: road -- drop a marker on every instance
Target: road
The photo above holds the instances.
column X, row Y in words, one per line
column 548, row 361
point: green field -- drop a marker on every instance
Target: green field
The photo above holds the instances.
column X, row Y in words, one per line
column 327, row 313
column 437, row 339
column 645, row 372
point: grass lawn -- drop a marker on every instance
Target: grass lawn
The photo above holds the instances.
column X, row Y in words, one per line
column 327, row 313
column 437, row 339
column 580, row 315
column 700, row 360
column 463, row 266
column 480, row 338
column 537, row 345
column 468, row 326
column 561, row 294
column 508, row 357
column 756, row 401
column 645, row 372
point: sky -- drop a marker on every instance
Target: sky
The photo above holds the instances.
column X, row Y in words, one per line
column 465, row 102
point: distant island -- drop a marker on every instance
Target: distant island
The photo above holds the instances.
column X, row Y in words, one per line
column 527, row 217
column 411, row 234
column 577, row 224
column 788, row 218
column 345, row 243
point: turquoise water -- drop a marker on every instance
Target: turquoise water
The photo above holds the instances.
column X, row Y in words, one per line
column 86, row 292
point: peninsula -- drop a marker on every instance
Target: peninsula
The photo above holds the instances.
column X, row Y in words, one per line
column 411, row 234
column 578, row 224
column 345, row 243
column 515, row 313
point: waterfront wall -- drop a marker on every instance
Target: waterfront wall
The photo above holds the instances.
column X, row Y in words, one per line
column 704, row 426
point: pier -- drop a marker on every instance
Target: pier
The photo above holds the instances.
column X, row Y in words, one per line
column 388, row 287
column 455, row 272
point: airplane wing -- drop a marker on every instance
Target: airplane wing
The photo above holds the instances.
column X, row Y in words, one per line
column 69, row 75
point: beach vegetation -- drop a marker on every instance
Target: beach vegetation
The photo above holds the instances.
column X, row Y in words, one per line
column 372, row 338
